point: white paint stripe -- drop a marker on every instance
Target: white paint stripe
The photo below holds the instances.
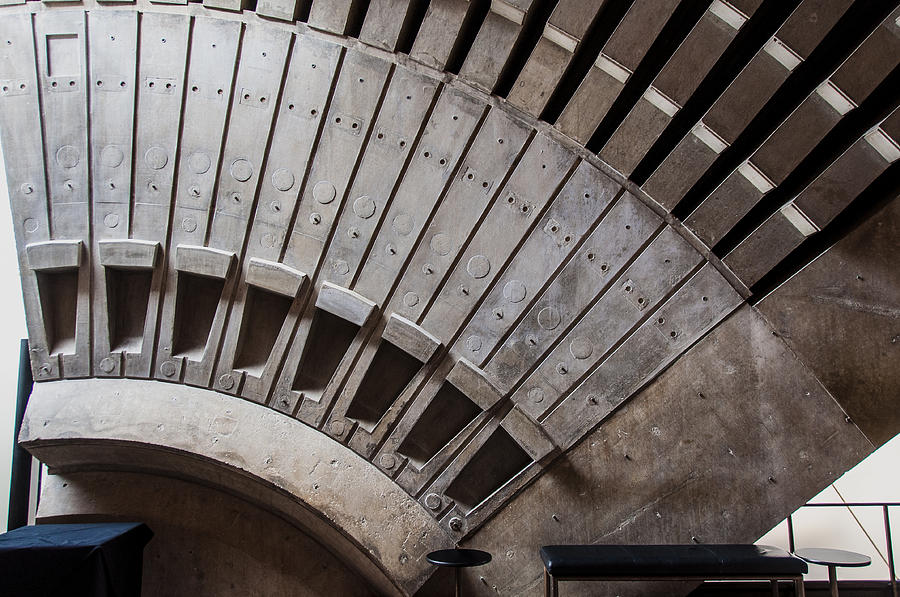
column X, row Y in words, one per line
column 563, row 40
column 612, row 68
column 508, row 11
column 783, row 54
column 709, row 137
column 883, row 144
column 728, row 13
column 667, row 106
column 756, row 178
column 829, row 92
column 799, row 219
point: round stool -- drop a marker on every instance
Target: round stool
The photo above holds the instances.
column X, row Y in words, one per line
column 833, row 558
column 459, row 559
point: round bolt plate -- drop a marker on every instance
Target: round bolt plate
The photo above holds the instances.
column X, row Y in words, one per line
column 441, row 244
column 337, row 428
column 111, row 220
column 581, row 347
column 341, row 267
column 156, row 157
column 168, row 368
column 433, row 501
column 548, row 318
column 536, row 395
column 199, row 163
column 364, row 207
column 324, row 192
column 282, row 179
column 111, row 156
column 226, row 380
column 189, row 224
column 455, row 524
column 473, row 343
column 402, row 224
column 315, row 218
column 387, row 461
column 67, row 156
column 108, row 365
column 30, row 224
column 410, row 299
column 241, row 170
column 514, row 291
column 478, row 266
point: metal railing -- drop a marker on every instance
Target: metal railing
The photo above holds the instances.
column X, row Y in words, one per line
column 885, row 508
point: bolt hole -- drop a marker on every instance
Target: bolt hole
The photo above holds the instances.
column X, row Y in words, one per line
column 673, row 333
column 628, row 227
column 355, row 125
column 121, row 83
column 427, row 154
column 640, row 300
column 290, row 106
column 554, row 228
column 219, row 91
column 587, row 195
column 543, row 166
column 484, row 184
column 524, row 209
column 313, row 65
column 313, row 112
column 263, row 54
column 71, row 83
column 246, row 96
column 337, row 120
column 470, row 176
column 195, row 89
column 604, row 267
column 661, row 320
column 402, row 143
column 500, row 141
column 455, row 117
column 54, row 84
column 628, row 288
column 163, row 40
column 263, row 100
column 668, row 261
column 409, row 97
column 567, row 238
column 705, row 299
column 380, row 135
column 99, row 83
column 442, row 161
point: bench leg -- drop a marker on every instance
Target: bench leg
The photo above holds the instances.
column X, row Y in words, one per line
column 799, row 588
column 551, row 589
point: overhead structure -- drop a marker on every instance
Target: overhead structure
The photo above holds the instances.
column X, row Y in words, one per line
column 410, row 274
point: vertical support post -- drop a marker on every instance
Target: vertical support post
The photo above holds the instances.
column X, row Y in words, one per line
column 790, row 522
column 21, row 475
column 890, row 549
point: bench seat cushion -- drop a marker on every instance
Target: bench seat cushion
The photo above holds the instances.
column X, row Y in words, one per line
column 710, row 561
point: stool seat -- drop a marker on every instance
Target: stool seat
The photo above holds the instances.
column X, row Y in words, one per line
column 459, row 558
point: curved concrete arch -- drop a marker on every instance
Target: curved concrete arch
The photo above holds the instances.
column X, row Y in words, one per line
column 243, row 449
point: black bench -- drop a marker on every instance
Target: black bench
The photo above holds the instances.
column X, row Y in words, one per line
column 670, row 562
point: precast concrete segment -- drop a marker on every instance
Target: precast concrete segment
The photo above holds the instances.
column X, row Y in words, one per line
column 251, row 451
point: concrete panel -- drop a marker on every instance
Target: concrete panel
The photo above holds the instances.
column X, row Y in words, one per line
column 632, row 299
column 581, row 204
column 867, row 66
column 25, row 177
column 766, row 246
column 735, row 422
column 475, row 189
column 445, row 137
column 356, row 99
column 532, row 186
column 639, row 131
column 111, row 49
column 613, row 244
column 158, row 118
column 60, row 39
column 406, row 105
column 574, row 16
column 211, row 70
column 838, row 314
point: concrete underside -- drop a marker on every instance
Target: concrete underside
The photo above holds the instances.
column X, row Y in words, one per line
column 313, row 308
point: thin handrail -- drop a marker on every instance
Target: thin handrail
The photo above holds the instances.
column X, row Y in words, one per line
column 885, row 507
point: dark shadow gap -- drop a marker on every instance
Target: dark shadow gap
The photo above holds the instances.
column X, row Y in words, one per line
column 475, row 16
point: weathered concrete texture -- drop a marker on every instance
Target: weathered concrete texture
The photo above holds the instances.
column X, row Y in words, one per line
column 205, row 542
column 255, row 452
column 717, row 449
column 840, row 314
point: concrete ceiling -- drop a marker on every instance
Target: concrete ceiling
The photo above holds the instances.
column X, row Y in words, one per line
column 460, row 246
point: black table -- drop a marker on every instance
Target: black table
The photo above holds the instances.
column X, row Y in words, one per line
column 459, row 559
column 76, row 560
column 833, row 558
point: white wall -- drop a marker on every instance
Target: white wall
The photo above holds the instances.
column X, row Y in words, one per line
column 12, row 320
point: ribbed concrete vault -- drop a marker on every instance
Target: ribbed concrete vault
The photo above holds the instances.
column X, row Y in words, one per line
column 496, row 266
